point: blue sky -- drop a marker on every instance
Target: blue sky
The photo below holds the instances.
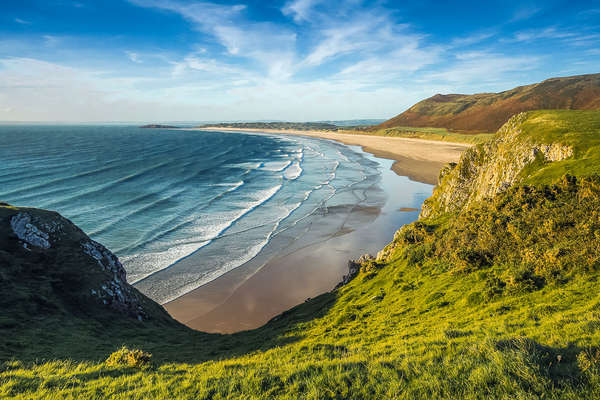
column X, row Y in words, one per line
column 300, row 60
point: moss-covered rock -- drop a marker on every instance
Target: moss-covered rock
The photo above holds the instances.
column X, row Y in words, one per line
column 48, row 265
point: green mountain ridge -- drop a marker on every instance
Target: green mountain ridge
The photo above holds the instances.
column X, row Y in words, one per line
column 487, row 112
column 492, row 293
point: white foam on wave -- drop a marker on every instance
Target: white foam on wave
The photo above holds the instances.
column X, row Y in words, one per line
column 145, row 240
column 233, row 261
column 276, row 166
column 140, row 266
column 293, row 171
column 208, row 228
column 232, row 185
column 231, row 264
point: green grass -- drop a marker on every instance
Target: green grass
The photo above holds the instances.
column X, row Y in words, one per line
column 501, row 300
column 438, row 134
column 578, row 129
column 430, row 321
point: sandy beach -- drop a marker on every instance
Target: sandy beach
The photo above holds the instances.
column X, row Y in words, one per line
column 420, row 160
column 250, row 295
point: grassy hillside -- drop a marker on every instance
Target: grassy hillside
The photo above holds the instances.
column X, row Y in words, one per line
column 301, row 126
column 487, row 112
column 495, row 299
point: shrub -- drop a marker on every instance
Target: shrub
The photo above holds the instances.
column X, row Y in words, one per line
column 530, row 235
column 125, row 357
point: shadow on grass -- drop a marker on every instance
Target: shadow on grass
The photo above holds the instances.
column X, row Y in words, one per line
column 523, row 358
column 79, row 339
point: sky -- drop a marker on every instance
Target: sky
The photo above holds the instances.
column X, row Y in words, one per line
column 293, row 60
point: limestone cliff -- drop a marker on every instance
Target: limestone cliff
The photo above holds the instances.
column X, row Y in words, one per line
column 488, row 169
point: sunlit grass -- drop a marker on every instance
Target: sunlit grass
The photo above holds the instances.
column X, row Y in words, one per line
column 499, row 301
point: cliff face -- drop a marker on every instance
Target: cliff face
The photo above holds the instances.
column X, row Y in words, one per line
column 488, row 169
column 487, row 112
column 49, row 266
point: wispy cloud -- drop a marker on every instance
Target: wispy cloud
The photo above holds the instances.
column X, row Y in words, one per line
column 50, row 40
column 482, row 67
column 265, row 43
column 472, row 39
column 296, row 59
column 299, row 10
column 545, row 33
column 525, row 13
column 133, row 56
column 22, row 21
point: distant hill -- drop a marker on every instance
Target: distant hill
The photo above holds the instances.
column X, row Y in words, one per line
column 158, row 126
column 301, row 126
column 354, row 122
column 487, row 112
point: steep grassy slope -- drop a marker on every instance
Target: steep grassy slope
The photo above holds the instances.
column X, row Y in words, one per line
column 487, row 112
column 532, row 147
column 498, row 298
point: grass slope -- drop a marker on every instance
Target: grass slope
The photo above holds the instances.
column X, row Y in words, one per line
column 487, row 112
column 500, row 300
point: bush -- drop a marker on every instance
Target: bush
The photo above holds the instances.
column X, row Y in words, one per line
column 529, row 235
column 125, row 357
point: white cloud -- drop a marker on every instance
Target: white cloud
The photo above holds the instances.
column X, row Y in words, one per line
column 546, row 33
column 203, row 14
column 350, row 62
column 300, row 10
column 471, row 39
column 481, row 68
column 22, row 21
column 208, row 65
column 133, row 56
column 266, row 44
column 337, row 41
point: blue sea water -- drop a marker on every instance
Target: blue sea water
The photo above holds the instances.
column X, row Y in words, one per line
column 181, row 208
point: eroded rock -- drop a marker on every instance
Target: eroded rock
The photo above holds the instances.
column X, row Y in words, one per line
column 26, row 231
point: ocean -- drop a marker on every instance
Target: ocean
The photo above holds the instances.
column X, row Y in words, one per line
column 181, row 208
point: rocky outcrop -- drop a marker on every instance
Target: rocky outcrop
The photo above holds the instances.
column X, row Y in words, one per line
column 488, row 169
column 43, row 252
column 115, row 291
column 354, row 267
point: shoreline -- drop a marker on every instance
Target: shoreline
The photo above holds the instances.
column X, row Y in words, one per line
column 247, row 297
column 418, row 159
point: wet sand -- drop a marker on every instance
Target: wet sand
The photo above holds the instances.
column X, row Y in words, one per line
column 250, row 295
